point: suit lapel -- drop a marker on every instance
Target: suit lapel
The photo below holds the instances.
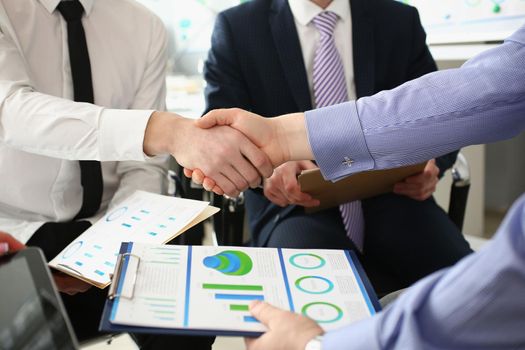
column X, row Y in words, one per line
column 290, row 54
column 363, row 48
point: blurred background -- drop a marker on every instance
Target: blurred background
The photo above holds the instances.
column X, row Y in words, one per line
column 456, row 29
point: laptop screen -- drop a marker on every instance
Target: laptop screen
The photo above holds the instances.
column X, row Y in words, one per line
column 32, row 316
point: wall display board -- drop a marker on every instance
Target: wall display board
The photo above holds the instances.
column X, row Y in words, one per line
column 466, row 21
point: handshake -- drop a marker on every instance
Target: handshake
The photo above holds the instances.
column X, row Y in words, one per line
column 228, row 150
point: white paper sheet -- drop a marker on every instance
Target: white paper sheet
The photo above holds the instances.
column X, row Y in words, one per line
column 210, row 288
column 142, row 217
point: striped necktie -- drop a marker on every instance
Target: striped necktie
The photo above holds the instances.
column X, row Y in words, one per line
column 329, row 85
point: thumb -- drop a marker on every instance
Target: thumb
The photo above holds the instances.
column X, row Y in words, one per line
column 264, row 312
column 213, row 118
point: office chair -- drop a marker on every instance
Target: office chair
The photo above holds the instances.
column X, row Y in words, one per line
column 229, row 223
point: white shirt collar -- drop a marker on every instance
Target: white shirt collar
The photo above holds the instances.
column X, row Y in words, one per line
column 305, row 10
column 51, row 5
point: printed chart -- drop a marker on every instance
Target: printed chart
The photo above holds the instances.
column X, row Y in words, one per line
column 211, row 288
column 143, row 217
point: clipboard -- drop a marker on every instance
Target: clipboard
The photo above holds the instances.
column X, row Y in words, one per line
column 127, row 268
column 355, row 187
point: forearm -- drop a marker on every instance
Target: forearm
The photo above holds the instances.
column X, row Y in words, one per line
column 476, row 304
column 481, row 102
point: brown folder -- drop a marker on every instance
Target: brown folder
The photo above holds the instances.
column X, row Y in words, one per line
column 358, row 186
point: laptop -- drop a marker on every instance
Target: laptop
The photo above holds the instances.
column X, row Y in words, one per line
column 32, row 315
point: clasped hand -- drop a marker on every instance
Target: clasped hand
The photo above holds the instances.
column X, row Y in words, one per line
column 271, row 143
column 260, row 136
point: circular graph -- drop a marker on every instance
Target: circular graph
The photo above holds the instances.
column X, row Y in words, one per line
column 322, row 312
column 230, row 262
column 72, row 249
column 307, row 261
column 314, row 285
column 116, row 214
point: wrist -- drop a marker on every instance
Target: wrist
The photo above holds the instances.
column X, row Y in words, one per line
column 292, row 135
column 159, row 137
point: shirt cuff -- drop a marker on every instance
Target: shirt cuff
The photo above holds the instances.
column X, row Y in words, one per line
column 360, row 335
column 337, row 141
column 122, row 134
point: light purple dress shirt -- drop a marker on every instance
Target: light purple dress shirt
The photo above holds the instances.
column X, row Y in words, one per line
column 480, row 302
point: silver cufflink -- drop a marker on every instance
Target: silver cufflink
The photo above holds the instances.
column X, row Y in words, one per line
column 348, row 162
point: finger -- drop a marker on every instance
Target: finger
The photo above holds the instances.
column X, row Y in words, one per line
column 310, row 203
column 215, row 117
column 234, row 175
column 4, row 248
column 197, row 177
column 273, row 190
column 277, row 197
column 417, row 179
column 265, row 312
column 225, row 184
column 257, row 158
column 218, row 191
column 188, row 172
column 290, row 183
column 12, row 242
column 208, row 184
column 416, row 195
column 249, row 173
column 409, row 187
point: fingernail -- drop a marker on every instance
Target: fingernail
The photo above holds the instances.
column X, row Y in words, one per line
column 4, row 248
column 254, row 304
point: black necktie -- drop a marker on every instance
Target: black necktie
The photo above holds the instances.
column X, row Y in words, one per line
column 90, row 171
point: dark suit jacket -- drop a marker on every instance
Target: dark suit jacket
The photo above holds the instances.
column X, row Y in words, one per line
column 256, row 63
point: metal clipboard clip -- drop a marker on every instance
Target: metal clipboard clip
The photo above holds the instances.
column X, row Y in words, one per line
column 115, row 280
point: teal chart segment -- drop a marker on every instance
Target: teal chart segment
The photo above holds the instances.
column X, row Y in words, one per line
column 307, row 261
column 314, row 285
column 230, row 262
column 322, row 312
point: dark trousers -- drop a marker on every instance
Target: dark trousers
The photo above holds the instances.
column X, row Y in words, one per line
column 405, row 239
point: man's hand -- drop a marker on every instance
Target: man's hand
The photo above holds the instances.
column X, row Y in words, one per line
column 282, row 138
column 420, row 186
column 286, row 330
column 265, row 133
column 283, row 189
column 224, row 154
column 9, row 244
column 69, row 285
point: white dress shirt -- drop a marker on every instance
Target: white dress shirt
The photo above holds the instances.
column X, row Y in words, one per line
column 42, row 137
column 304, row 11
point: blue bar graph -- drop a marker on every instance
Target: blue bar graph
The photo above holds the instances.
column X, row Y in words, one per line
column 220, row 296
column 250, row 319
